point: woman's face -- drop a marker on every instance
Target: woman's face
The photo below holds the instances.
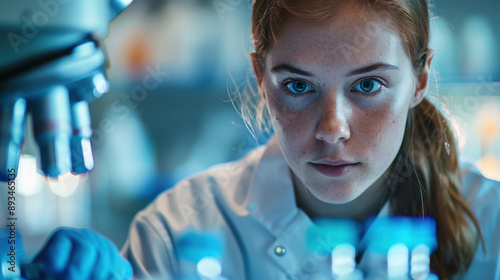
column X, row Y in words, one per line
column 338, row 93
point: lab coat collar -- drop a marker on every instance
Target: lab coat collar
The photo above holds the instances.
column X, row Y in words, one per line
column 272, row 198
column 272, row 203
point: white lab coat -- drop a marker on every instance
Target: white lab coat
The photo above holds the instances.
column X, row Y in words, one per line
column 252, row 202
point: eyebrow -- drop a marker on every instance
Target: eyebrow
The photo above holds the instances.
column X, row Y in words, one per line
column 370, row 68
column 377, row 66
column 292, row 69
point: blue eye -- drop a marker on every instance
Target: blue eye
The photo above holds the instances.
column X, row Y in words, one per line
column 368, row 86
column 299, row 86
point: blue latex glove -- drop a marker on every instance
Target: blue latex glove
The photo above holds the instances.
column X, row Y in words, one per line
column 78, row 254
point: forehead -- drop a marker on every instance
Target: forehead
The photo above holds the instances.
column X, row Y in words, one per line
column 350, row 37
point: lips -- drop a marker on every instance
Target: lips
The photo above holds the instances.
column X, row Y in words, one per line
column 334, row 168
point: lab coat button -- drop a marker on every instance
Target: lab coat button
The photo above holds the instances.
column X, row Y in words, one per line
column 279, row 250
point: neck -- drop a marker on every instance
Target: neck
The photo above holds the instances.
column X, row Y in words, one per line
column 367, row 204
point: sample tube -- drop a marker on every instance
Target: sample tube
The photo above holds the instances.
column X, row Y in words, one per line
column 397, row 262
column 200, row 256
column 338, row 238
column 344, row 263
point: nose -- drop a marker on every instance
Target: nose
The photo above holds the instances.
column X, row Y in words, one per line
column 333, row 126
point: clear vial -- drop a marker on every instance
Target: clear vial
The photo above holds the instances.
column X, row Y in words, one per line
column 344, row 263
column 420, row 262
column 397, row 262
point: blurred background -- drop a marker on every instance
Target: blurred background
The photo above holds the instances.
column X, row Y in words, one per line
column 172, row 65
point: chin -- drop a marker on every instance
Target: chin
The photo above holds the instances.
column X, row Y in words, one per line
column 339, row 199
column 337, row 196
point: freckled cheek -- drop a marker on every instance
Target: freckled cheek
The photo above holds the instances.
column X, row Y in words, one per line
column 380, row 133
column 294, row 128
column 289, row 123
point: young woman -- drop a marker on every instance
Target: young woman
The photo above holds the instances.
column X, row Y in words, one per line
column 343, row 86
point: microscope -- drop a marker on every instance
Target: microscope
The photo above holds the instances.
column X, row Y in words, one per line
column 52, row 66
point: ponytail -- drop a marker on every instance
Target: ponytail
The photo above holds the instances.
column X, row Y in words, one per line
column 426, row 181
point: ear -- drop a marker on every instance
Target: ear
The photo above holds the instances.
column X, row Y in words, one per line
column 258, row 73
column 422, row 80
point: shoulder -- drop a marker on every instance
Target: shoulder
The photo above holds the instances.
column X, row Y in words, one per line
column 480, row 192
column 482, row 195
